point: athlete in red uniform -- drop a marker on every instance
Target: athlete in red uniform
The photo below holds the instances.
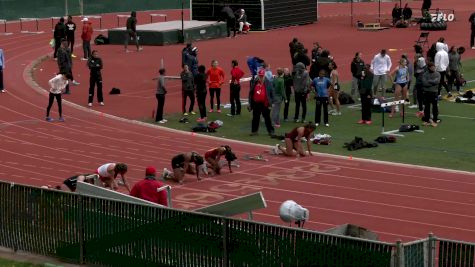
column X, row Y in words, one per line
column 212, row 157
column 293, row 141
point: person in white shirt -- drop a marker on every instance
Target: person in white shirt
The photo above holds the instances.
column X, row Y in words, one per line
column 57, row 87
column 380, row 66
column 109, row 171
column 441, row 62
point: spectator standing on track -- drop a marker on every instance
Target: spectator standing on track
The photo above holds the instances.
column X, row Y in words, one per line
column 215, row 79
column 301, row 56
column 278, row 96
column 472, row 27
column 259, row 103
column 86, row 37
column 131, row 32
column 201, row 92
column 2, row 67
column 380, row 66
column 235, row 88
column 186, row 50
column 147, row 188
column 426, row 4
column 160, row 95
column 420, row 67
column 65, row 62
column 454, row 69
column 70, row 31
column 187, row 90
column 288, row 82
column 58, row 34
column 430, row 81
column 57, row 86
column 357, row 67
column 365, row 88
column 301, row 83
column 316, row 51
column 95, row 66
column 334, row 89
column 322, row 85
column 108, row 173
column 441, row 62
column 227, row 15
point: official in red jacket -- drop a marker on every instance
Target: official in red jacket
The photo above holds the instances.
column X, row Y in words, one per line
column 147, row 188
column 86, row 37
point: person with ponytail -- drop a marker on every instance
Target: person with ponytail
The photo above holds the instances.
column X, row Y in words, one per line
column 294, row 139
column 182, row 164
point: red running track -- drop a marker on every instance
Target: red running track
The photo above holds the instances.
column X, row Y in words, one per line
column 396, row 201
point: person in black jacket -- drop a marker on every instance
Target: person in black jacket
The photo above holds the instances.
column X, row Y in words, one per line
column 366, row 93
column 227, row 15
column 95, row 65
column 70, row 30
column 472, row 26
column 357, row 66
column 59, row 33
column 426, row 6
column 200, row 82
column 289, row 83
column 131, row 32
column 65, row 62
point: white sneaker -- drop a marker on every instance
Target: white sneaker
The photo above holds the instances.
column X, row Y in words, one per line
column 102, row 103
column 74, row 82
column 336, row 113
column 162, row 121
column 327, row 125
column 275, row 149
column 316, row 124
column 89, row 105
column 473, row 47
column 3, row 91
column 332, row 112
column 84, row 59
column 396, row 108
column 165, row 120
column 413, row 106
column 165, row 174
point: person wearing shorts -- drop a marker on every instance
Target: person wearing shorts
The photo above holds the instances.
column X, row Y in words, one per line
column 71, row 182
column 401, row 78
column 184, row 163
column 293, row 141
column 334, row 89
column 108, row 173
column 212, row 157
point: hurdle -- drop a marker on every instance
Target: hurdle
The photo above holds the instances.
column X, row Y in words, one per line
column 390, row 104
column 22, row 20
column 52, row 21
column 4, row 21
column 157, row 15
column 121, row 16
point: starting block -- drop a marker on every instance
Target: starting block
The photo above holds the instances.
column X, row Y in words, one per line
column 259, row 157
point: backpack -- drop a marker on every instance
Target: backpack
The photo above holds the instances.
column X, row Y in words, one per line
column 101, row 40
column 259, row 93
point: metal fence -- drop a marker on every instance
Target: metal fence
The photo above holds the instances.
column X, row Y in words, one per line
column 12, row 10
column 105, row 232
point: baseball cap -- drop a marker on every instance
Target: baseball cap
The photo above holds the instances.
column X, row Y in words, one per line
column 85, row 19
column 261, row 72
column 150, row 171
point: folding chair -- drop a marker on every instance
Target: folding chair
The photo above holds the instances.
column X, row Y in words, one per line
column 423, row 40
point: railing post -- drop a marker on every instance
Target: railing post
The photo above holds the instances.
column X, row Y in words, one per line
column 430, row 250
column 225, row 242
column 81, row 230
column 399, row 262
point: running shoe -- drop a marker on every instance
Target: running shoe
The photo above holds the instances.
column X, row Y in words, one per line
column 327, row 125
column 102, row 103
column 49, row 119
column 61, row 119
column 368, row 122
column 165, row 174
column 89, row 104
column 192, row 113
column 219, row 111
column 185, row 114
column 361, row 122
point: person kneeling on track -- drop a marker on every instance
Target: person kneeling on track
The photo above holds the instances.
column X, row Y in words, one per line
column 71, row 182
column 212, row 157
column 293, row 141
column 182, row 164
column 109, row 172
